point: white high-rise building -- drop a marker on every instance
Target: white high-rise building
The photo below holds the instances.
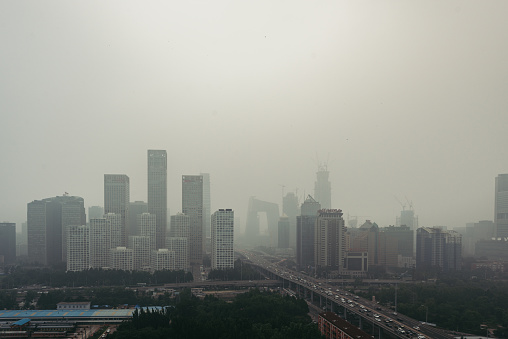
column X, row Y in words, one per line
column 163, row 259
column 329, row 239
column 158, row 191
column 192, row 205
column 117, row 231
column 222, row 239
column 116, row 199
column 180, row 226
column 121, row 258
column 148, row 228
column 179, row 245
column 141, row 251
column 78, row 248
column 100, row 243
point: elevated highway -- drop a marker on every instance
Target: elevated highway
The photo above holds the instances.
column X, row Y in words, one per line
column 366, row 314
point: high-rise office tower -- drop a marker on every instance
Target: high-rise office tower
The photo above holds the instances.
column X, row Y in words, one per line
column 148, row 228
column 100, row 243
column 95, row 212
column 207, row 213
column 140, row 246
column 116, row 199
column 283, row 238
column 158, row 192
column 501, row 206
column 192, row 205
column 330, row 239
column 7, row 243
column 291, row 209
column 135, row 208
column 323, row 187
column 179, row 245
column 78, row 248
column 222, row 239
column 121, row 258
column 47, row 222
column 305, row 224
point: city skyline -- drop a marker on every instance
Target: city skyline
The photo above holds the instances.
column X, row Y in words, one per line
column 258, row 98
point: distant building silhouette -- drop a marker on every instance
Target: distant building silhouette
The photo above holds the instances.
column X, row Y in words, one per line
column 207, row 212
column 116, row 200
column 95, row 212
column 284, row 225
column 291, row 209
column 437, row 248
column 140, row 246
column 223, row 225
column 252, row 229
column 323, row 187
column 135, row 208
column 501, row 205
column 7, row 243
column 47, row 222
column 158, row 191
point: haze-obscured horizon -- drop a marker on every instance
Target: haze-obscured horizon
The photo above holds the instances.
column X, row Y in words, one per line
column 404, row 99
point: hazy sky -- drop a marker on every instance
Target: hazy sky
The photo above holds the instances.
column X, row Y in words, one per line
column 405, row 98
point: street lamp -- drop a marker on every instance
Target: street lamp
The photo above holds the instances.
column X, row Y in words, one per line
column 426, row 312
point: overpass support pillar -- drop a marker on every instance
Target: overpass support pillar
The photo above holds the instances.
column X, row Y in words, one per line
column 345, row 313
column 320, row 301
column 360, row 325
column 312, row 296
column 380, row 333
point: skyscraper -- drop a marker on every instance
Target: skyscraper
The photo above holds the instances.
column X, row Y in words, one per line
column 291, row 209
column 140, row 246
column 116, row 199
column 222, row 239
column 121, row 258
column 283, row 238
column 78, row 248
column 100, row 243
column 158, row 192
column 207, row 213
column 305, row 225
column 7, row 243
column 329, row 239
column 117, row 230
column 95, row 212
column 323, row 187
column 501, row 206
column 148, row 228
column 47, row 222
column 135, row 208
column 192, row 205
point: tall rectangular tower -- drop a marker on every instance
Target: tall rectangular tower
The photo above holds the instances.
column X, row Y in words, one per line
column 78, row 248
column 192, row 205
column 222, row 239
column 100, row 243
column 7, row 243
column 501, row 206
column 323, row 187
column 329, row 239
column 305, row 225
column 116, row 199
column 158, row 192
column 207, row 213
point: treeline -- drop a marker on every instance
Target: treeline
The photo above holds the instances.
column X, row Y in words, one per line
column 452, row 304
column 241, row 271
column 94, row 277
column 253, row 314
